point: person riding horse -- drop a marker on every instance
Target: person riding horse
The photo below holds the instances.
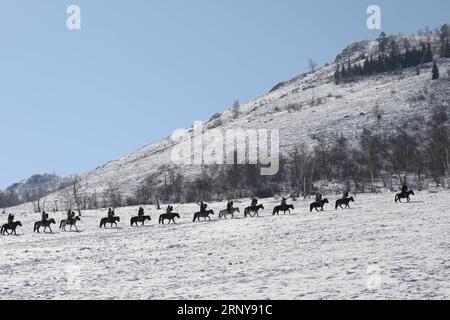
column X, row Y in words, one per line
column 44, row 216
column 203, row 207
column 230, row 205
column 141, row 212
column 345, row 195
column 318, row 197
column 111, row 213
column 169, row 209
column 404, row 189
column 283, row 202
column 11, row 220
column 254, row 202
column 70, row 216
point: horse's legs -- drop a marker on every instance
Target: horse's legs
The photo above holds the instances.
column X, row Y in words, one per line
column 51, row 231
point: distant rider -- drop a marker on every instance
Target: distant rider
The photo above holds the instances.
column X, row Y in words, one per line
column 404, row 188
column 283, row 202
column 169, row 209
column 230, row 205
column 141, row 212
column 345, row 195
column 70, row 216
column 254, row 202
column 318, row 197
column 203, row 207
column 11, row 220
column 111, row 213
column 44, row 216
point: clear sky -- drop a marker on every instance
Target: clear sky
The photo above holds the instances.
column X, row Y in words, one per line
column 138, row 69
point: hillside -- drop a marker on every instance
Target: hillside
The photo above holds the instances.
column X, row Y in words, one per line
column 304, row 108
column 38, row 184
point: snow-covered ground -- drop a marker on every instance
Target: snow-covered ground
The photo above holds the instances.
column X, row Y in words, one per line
column 376, row 250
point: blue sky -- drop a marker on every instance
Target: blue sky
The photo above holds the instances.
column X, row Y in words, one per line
column 137, row 70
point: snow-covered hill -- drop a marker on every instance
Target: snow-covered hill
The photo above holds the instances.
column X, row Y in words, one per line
column 303, row 108
column 377, row 250
column 38, row 185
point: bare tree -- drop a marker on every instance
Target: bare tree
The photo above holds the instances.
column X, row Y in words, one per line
column 111, row 196
column 312, row 65
column 75, row 194
column 37, row 197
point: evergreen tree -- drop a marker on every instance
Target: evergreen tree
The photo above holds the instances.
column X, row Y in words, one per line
column 343, row 72
column 407, row 45
column 382, row 43
column 428, row 53
column 447, row 49
column 337, row 74
column 435, row 71
column 443, row 38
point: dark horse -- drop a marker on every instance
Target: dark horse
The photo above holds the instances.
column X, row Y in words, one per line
column 168, row 216
column 405, row 195
column 71, row 223
column 254, row 210
column 319, row 204
column 135, row 220
column 204, row 215
column 112, row 221
column 13, row 228
column 344, row 202
column 285, row 208
column 46, row 224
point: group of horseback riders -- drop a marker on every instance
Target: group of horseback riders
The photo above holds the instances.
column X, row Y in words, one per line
column 203, row 207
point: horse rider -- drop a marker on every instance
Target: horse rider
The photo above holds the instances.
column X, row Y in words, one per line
column 230, row 205
column 141, row 212
column 404, row 188
column 11, row 220
column 111, row 213
column 345, row 195
column 169, row 209
column 254, row 202
column 70, row 216
column 203, row 207
column 283, row 202
column 44, row 216
column 318, row 197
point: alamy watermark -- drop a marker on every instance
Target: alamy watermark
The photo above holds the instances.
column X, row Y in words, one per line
column 373, row 281
column 73, row 22
column 230, row 147
column 73, row 275
column 374, row 20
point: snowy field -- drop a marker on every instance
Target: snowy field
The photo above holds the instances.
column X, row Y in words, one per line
column 377, row 250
